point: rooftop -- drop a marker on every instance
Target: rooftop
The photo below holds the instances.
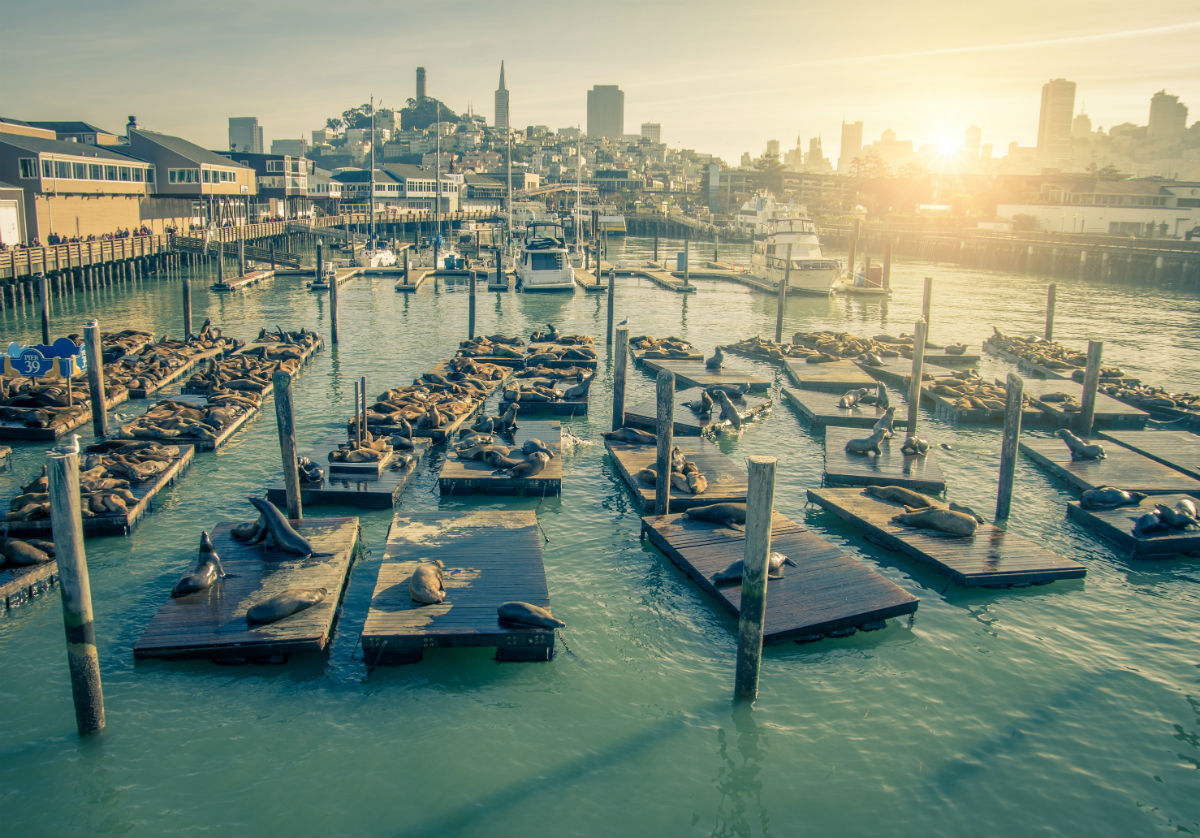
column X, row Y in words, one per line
column 183, row 148
column 40, row 146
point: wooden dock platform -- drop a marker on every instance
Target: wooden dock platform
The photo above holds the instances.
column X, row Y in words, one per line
column 1122, row 467
column 464, row 477
column 1116, row 525
column 18, row 431
column 200, row 443
column 990, row 558
column 212, row 624
column 416, row 278
column 945, row 408
column 564, row 363
column 639, row 355
column 820, row 408
column 489, row 557
column 1179, row 450
column 18, row 585
column 370, row 490
column 891, row 468
column 240, row 283
column 666, row 280
column 695, row 374
column 897, row 371
column 687, row 423
column 833, row 376
column 829, row 593
column 727, row 481
column 1109, row 412
column 168, row 380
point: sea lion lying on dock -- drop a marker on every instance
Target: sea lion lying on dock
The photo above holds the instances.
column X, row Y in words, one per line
column 914, row 446
column 533, row 465
column 208, row 570
column 732, row 575
column 632, row 436
column 726, row 514
column 940, row 519
column 1080, row 450
column 290, row 602
column 1109, row 497
column 18, row 552
column 425, row 585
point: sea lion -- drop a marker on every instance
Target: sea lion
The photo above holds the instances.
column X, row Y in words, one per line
column 23, row 554
column 278, row 534
column 717, row 359
column 1109, row 497
column 966, row 510
column 734, row 391
column 851, row 398
column 1148, row 525
column 1080, row 450
column 208, row 570
column 580, row 390
column 719, row 513
column 914, row 446
column 1176, row 518
column 728, row 411
column 936, row 518
column 867, row 445
column 632, row 436
column 533, row 446
column 425, row 584
column 899, row 494
column 885, row 423
column 956, row 349
column 697, row 483
column 525, row 614
column 282, row 605
column 881, row 396
column 871, row 359
column 533, row 465
column 703, row 406
column 733, row 574
column 648, row 476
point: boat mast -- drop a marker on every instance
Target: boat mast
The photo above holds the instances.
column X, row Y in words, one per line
column 372, row 222
column 578, row 179
column 509, row 176
column 437, row 186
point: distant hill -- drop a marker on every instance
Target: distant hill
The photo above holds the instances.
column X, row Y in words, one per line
column 424, row 113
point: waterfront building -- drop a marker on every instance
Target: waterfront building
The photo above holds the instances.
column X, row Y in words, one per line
column 605, row 111
column 282, row 182
column 1054, row 123
column 12, row 215
column 323, row 192
column 191, row 182
column 652, row 132
column 501, row 121
column 420, row 84
column 852, row 134
column 482, row 193
column 1083, row 204
column 245, row 134
column 74, row 131
column 1168, row 119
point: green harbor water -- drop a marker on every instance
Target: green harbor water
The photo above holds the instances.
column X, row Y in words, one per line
column 1065, row 709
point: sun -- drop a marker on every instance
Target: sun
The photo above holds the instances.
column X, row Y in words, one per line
column 948, row 146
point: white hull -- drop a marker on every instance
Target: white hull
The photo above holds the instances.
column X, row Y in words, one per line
column 559, row 280
column 815, row 282
column 377, row 259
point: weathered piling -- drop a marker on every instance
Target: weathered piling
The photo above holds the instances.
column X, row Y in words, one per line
column 186, row 291
column 1091, row 381
column 406, row 265
column 471, row 305
column 781, row 298
column 887, row 268
column 321, row 263
column 1015, row 387
column 95, row 372
column 62, row 470
column 499, row 269
column 666, row 439
column 914, row 384
column 927, row 302
column 1051, row 294
column 760, row 501
column 358, row 425
column 850, row 254
column 333, row 310
column 241, row 257
column 612, row 285
column 286, row 421
column 656, row 245
column 272, row 246
column 44, row 302
column 360, row 408
column 687, row 260
column 620, row 366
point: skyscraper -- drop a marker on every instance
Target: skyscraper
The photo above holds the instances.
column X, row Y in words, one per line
column 605, row 111
column 1054, row 122
column 1168, row 119
column 971, row 142
column 502, row 103
column 245, row 134
column 420, row 84
column 851, row 144
column 652, row 132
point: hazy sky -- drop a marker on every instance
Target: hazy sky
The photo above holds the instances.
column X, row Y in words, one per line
column 721, row 77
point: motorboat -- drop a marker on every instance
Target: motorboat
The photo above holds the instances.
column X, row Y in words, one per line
column 376, row 254
column 866, row 283
column 543, row 263
column 793, row 239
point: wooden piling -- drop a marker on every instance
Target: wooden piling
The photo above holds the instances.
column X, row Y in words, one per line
column 272, row 246
column 62, row 470
column 406, row 264
column 358, row 424
column 687, row 260
column 321, row 264
column 1015, row 387
column 914, row 384
column 887, row 269
column 286, row 421
column 781, row 297
column 95, row 373
column 187, row 307
column 1051, row 294
column 850, row 254
column 1091, row 380
column 620, row 367
column 44, row 303
column 666, row 439
column 471, row 306
column 333, row 310
column 760, row 500
column 656, row 245
column 612, row 286
column 927, row 302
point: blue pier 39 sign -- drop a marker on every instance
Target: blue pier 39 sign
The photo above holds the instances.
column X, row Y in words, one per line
column 39, row 360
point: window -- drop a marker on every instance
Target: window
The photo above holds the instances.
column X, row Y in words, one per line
column 110, row 172
column 274, row 165
column 205, row 176
column 183, row 176
column 47, row 168
column 137, row 175
column 125, row 173
column 62, row 168
column 95, row 171
column 79, row 171
column 28, row 167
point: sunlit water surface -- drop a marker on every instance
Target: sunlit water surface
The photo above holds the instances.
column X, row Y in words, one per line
column 1068, row 709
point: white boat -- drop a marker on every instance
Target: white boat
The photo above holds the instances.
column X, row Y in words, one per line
column 544, row 264
column 758, row 214
column 810, row 273
column 376, row 254
column 868, row 283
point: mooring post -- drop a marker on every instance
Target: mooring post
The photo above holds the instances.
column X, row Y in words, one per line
column 95, row 373
column 850, row 253
column 620, row 365
column 599, row 260
column 656, row 245
column 358, row 425
column 927, row 303
column 666, row 439
column 612, row 286
column 1051, row 294
column 62, row 470
column 333, row 309
column 471, row 306
column 187, row 307
column 887, row 269
column 1015, row 394
column 220, row 263
column 44, row 302
column 760, row 500
column 687, row 261
column 361, row 408
column 781, row 297
column 272, row 243
column 499, row 269
column 286, row 421
column 406, row 266
column 321, row 263
column 914, row 384
column 1091, row 381
column 241, row 257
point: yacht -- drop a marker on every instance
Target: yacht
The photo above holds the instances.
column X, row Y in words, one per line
column 376, row 254
column 757, row 214
column 543, row 264
column 811, row 272
column 867, row 282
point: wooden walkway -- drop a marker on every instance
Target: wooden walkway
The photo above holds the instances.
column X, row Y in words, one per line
column 891, row 468
column 416, row 278
column 820, row 408
column 20, row 584
column 464, row 477
column 833, row 376
column 212, row 624
column 828, row 594
column 489, row 557
column 726, row 479
column 1109, row 413
column 1122, row 467
column 240, row 283
column 990, row 558
column 1179, row 450
column 695, row 374
column 687, row 423
column 1116, row 525
column 372, row 489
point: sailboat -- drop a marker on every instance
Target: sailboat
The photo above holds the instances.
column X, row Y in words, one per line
column 376, row 253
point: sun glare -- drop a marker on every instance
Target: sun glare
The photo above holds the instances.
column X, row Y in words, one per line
column 948, row 146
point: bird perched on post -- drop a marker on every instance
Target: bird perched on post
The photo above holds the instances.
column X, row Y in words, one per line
column 70, row 445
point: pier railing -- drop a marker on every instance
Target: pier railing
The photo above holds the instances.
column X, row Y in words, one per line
column 26, row 261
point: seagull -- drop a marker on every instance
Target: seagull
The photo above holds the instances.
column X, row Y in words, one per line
column 67, row 446
column 624, row 322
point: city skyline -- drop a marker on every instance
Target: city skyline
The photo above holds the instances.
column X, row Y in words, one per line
column 927, row 83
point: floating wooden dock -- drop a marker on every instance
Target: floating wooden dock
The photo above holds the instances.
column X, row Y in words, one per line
column 417, row 277
column 1108, row 413
column 828, row 594
column 639, row 355
column 820, row 408
column 18, row 585
column 575, row 407
column 212, row 624
column 695, row 374
column 564, row 363
column 897, row 371
column 197, row 442
column 1179, row 450
column 832, row 376
column 1116, row 525
column 240, row 283
column 687, row 423
column 990, row 558
column 664, row 279
column 945, row 408
column 168, row 380
column 464, row 477
column 1122, row 467
column 370, row 490
column 19, row 431
column 726, row 480
column 890, row 468
column 489, row 557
